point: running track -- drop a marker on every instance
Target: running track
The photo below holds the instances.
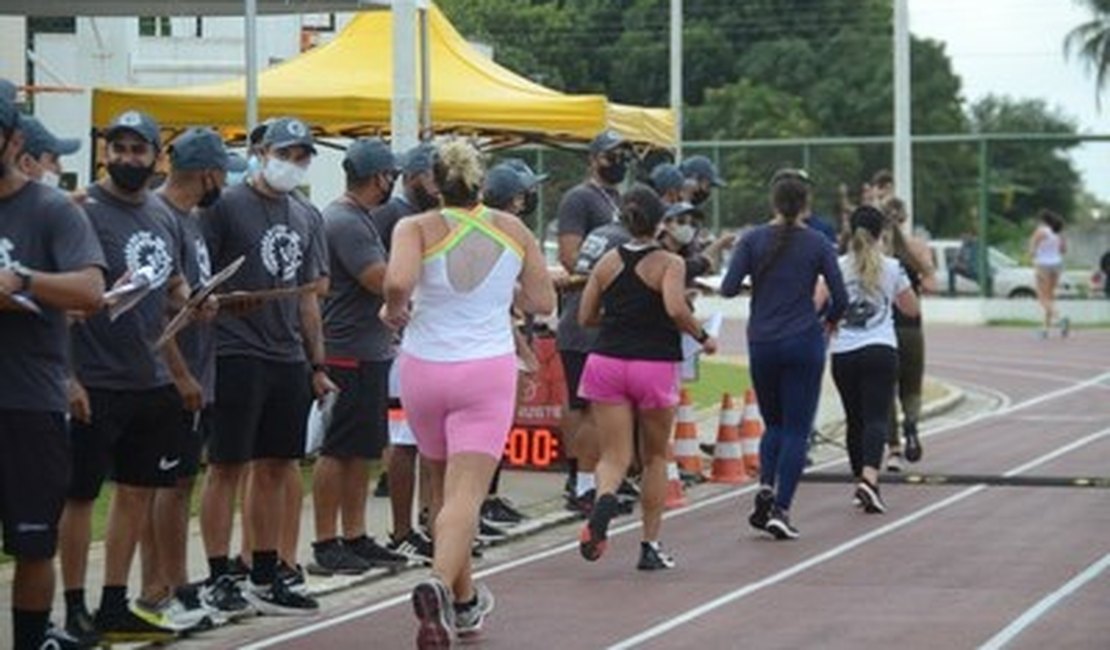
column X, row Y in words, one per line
column 946, row 567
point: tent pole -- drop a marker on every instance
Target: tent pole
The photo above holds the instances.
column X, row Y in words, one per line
column 405, row 110
column 250, row 38
column 676, row 74
column 425, row 79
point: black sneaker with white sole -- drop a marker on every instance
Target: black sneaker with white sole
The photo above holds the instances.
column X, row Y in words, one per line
column 56, row 638
column 292, row 576
column 654, row 558
column 81, row 627
column 376, row 555
column 779, row 525
column 913, row 441
column 488, row 532
column 277, row 599
column 224, row 596
column 124, row 625
column 498, row 511
column 431, row 602
column 761, row 512
column 415, row 546
column 869, row 496
column 333, row 557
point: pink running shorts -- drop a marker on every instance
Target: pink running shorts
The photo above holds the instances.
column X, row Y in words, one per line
column 644, row 384
column 459, row 406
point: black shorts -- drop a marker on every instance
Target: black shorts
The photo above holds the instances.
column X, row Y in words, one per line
column 132, row 440
column 359, row 420
column 34, row 474
column 194, row 432
column 573, row 363
column 261, row 408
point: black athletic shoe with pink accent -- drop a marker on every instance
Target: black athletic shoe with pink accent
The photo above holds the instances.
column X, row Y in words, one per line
column 592, row 540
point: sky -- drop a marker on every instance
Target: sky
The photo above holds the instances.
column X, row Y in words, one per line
column 1015, row 48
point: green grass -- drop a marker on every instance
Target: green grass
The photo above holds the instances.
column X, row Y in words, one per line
column 716, row 378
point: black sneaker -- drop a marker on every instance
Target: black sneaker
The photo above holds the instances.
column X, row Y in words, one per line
column 582, row 504
column 489, row 533
column 125, row 625
column 81, row 627
column 56, row 638
column 913, row 442
column 292, row 576
column 382, row 487
column 761, row 513
column 870, row 498
column 592, row 539
column 237, row 568
column 654, row 558
column 278, row 599
column 374, row 553
column 779, row 524
column 628, row 490
column 470, row 616
column 415, row 546
column 333, row 557
column 499, row 512
column 224, row 596
column 431, row 602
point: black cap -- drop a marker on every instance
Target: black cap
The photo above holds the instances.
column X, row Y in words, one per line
column 285, row 132
column 606, row 141
column 419, row 159
column 502, row 184
column 869, row 218
column 530, row 178
column 368, row 156
column 702, row 169
column 791, row 173
column 198, row 149
column 666, row 177
column 676, row 210
column 37, row 139
column 138, row 123
column 9, row 115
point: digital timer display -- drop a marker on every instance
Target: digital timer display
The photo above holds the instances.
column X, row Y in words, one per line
column 533, row 448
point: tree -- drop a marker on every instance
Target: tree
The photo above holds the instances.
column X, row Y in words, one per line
column 1090, row 42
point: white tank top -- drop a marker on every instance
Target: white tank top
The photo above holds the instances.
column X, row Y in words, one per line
column 450, row 324
column 1047, row 252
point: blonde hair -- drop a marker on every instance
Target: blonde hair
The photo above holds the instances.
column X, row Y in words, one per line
column 459, row 171
column 867, row 259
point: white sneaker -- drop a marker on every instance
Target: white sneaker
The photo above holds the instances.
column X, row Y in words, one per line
column 469, row 620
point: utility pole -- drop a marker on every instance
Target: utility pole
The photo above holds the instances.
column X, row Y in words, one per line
column 405, row 108
column 250, row 40
column 676, row 73
column 903, row 148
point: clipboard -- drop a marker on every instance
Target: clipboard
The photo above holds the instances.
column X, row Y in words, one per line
column 185, row 315
column 23, row 301
column 123, row 298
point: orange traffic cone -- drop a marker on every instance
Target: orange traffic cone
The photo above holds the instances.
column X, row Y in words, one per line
column 751, row 432
column 728, row 457
column 686, row 452
column 676, row 497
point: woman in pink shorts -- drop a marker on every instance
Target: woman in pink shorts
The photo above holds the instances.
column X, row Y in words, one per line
column 459, row 266
column 636, row 294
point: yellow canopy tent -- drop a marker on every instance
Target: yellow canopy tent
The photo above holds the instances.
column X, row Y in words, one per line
column 345, row 86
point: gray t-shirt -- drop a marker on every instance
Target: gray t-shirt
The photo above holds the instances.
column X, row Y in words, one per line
column 120, row 355
column 386, row 216
column 197, row 341
column 586, row 207
column 283, row 241
column 352, row 328
column 42, row 230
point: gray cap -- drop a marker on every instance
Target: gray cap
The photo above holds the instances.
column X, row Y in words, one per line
column 288, row 132
column 789, row 172
column 702, row 169
column 503, row 182
column 676, row 210
column 9, row 115
column 37, row 139
column 666, row 177
column 138, row 123
column 8, row 90
column 531, row 179
column 259, row 130
column 419, row 159
column 368, row 156
column 236, row 163
column 198, row 149
column 606, row 141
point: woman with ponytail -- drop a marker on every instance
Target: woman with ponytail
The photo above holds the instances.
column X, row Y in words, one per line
column 865, row 350
column 786, row 339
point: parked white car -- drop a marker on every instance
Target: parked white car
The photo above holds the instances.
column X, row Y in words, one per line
column 1010, row 279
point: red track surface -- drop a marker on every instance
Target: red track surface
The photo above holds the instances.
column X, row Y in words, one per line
column 946, row 567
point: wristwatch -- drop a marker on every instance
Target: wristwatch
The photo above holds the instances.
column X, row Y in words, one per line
column 319, row 367
column 702, row 336
column 24, row 275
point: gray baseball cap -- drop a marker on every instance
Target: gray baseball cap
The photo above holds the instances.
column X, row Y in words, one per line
column 503, row 182
column 198, row 149
column 419, row 159
column 8, row 90
column 531, row 179
column 138, row 123
column 606, row 141
column 236, row 163
column 37, row 139
column 9, row 115
column 702, row 169
column 368, row 156
column 666, row 177
column 676, row 210
column 288, row 132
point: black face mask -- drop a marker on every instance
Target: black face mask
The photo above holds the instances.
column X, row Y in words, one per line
column 424, row 199
column 387, row 190
column 614, row 173
column 210, row 197
column 699, row 196
column 129, row 178
column 531, row 202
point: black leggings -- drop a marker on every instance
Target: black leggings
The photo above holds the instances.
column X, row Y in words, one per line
column 865, row 379
column 911, row 375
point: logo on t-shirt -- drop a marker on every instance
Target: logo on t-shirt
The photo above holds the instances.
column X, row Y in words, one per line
column 144, row 248
column 281, row 252
column 864, row 310
column 204, row 262
column 6, row 248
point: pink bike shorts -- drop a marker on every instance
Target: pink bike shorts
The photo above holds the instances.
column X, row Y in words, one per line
column 459, row 406
column 642, row 383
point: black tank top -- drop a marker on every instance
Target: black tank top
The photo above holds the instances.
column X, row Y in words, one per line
column 900, row 319
column 634, row 323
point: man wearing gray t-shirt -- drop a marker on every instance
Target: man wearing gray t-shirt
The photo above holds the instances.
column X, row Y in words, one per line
column 263, row 384
column 591, row 204
column 49, row 258
column 359, row 353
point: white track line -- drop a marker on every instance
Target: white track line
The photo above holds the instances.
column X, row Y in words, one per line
column 751, row 588
column 305, row 630
column 1031, row 374
column 1045, row 605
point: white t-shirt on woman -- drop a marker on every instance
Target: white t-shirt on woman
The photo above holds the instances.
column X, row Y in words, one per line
column 869, row 319
column 1048, row 251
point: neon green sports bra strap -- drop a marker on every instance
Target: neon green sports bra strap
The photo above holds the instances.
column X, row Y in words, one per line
column 477, row 220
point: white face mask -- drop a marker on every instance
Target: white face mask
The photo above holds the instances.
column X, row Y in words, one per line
column 282, row 175
column 50, row 179
column 684, row 233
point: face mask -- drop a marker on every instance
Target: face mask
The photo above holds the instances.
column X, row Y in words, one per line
column 254, row 165
column 684, row 233
column 282, row 175
column 699, row 196
column 531, row 202
column 424, row 199
column 210, row 197
column 50, row 179
column 614, row 173
column 235, row 178
column 129, row 178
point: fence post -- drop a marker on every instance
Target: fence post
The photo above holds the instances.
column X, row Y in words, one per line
column 717, row 194
column 540, row 221
column 807, row 162
column 985, row 288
